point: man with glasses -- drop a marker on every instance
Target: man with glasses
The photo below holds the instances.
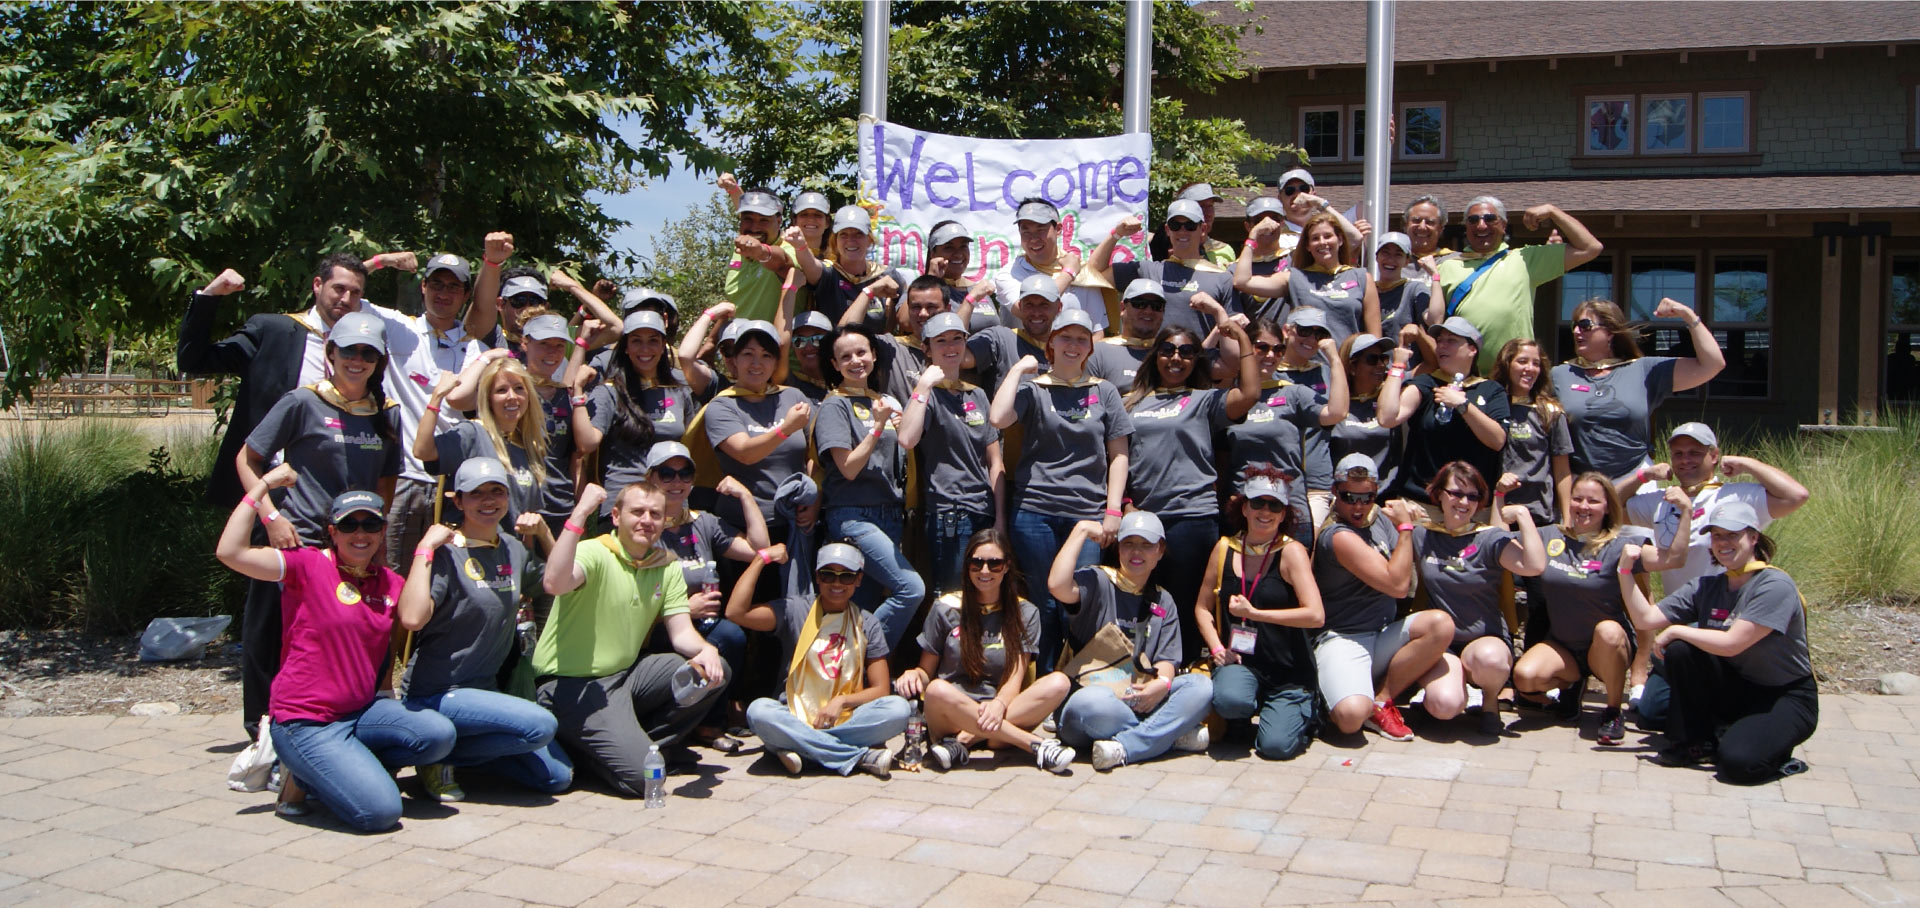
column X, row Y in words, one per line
column 1202, row 194
column 1184, row 273
column 1041, row 253
column 1492, row 284
column 760, row 259
column 1424, row 221
column 1117, row 359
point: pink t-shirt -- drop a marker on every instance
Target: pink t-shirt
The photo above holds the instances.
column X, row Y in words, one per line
column 335, row 631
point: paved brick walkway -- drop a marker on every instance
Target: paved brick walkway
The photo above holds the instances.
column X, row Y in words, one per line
column 104, row 810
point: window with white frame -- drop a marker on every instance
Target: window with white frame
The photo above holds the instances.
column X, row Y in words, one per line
column 1667, row 123
column 1422, row 129
column 1741, row 316
column 1651, row 278
column 1337, row 133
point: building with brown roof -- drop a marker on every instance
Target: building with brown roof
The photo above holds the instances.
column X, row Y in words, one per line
column 1759, row 161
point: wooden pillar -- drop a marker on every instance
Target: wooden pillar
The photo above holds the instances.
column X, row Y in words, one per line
column 1830, row 333
column 1873, row 349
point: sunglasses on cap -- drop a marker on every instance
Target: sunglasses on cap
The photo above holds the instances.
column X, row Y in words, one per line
column 1463, row 496
column 523, row 300
column 1292, row 189
column 1153, row 303
column 836, row 577
column 1311, row 333
column 1182, row 226
column 1354, row 497
column 1585, row 324
column 371, row 523
column 1265, row 504
column 362, row 352
column 990, row 565
column 1482, row 218
column 672, row 475
column 1184, row 351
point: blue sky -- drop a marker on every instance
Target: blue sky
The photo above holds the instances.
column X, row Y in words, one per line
column 649, row 208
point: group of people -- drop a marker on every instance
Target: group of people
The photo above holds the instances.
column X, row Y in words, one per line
column 1072, row 507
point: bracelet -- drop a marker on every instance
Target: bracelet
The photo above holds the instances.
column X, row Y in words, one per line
column 489, row 261
column 423, row 553
column 1396, row 371
column 581, row 340
column 1114, row 513
column 765, row 556
column 1247, row 245
column 269, row 518
column 781, row 432
column 1069, row 272
column 1640, row 474
column 1405, row 528
column 1625, row 570
column 1219, row 651
column 735, row 264
column 570, row 527
column 879, row 429
column 919, row 397
column 971, row 299
column 433, row 408
column 373, row 264
column 249, row 502
column 789, row 285
column 580, row 401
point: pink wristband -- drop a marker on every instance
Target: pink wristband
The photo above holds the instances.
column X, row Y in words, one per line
column 492, row 262
column 433, row 408
column 1114, row 513
column 971, row 299
column 1640, row 474
column 249, row 502
column 781, row 432
column 581, row 340
column 1405, row 528
column 879, row 430
column 764, row 556
column 423, row 553
column 373, row 264
column 571, row 527
column 1626, row 570
column 735, row 264
column 920, row 397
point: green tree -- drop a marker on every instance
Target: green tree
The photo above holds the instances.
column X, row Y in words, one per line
column 690, row 256
column 147, row 146
column 993, row 70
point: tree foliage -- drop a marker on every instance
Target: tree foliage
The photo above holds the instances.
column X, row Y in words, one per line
column 690, row 256
column 992, row 70
column 147, row 146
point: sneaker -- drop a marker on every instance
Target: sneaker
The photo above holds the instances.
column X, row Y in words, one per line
column 1633, row 696
column 1613, row 726
column 949, row 753
column 275, row 777
column 1195, row 741
column 437, row 779
column 1053, row 756
column 292, row 800
column 1387, row 723
column 1492, row 724
column 1107, row 755
column 1566, row 702
column 1474, row 697
column 789, row 760
column 1684, row 755
column 1793, row 767
column 877, row 763
column 1050, row 726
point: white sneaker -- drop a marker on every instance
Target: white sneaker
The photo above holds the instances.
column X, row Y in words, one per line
column 1050, row 726
column 1633, row 696
column 877, row 763
column 1195, row 741
column 1053, row 756
column 1474, row 697
column 1107, row 755
column 1419, row 697
column 789, row 761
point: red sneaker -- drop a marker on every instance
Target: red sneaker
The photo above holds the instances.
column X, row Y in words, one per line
column 1386, row 720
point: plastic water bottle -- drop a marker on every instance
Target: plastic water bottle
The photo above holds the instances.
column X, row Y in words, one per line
column 529, row 638
column 709, row 584
column 914, row 751
column 1444, row 415
column 655, row 767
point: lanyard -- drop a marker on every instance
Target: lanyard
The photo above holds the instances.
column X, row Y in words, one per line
column 1247, row 586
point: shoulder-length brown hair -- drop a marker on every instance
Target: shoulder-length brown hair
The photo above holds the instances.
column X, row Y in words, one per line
column 1626, row 335
column 1302, row 257
column 1013, row 625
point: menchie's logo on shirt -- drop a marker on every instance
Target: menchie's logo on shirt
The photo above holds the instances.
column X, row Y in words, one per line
column 362, row 439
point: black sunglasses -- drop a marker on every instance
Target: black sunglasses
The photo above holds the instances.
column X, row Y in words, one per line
column 990, row 565
column 1354, row 497
column 1482, row 218
column 1148, row 302
column 523, row 301
column 1182, row 226
column 1184, row 351
column 669, row 473
column 1313, row 334
column 1292, row 189
column 808, row 340
column 1585, row 324
column 1265, row 504
column 366, row 353
column 1374, row 359
column 1265, row 347
column 372, row 523
column 1463, row 496
column 826, row 576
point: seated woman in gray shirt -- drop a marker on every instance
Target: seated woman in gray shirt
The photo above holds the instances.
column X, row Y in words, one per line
column 1736, row 653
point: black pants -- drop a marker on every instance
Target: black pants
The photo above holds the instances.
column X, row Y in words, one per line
column 1764, row 724
column 259, row 650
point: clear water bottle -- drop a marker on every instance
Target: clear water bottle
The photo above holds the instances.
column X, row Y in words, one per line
column 710, row 583
column 914, row 751
column 1444, row 414
column 529, row 635
column 655, row 768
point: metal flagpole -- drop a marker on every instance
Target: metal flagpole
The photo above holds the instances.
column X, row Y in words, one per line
column 1379, row 154
column 1139, row 66
column 875, row 26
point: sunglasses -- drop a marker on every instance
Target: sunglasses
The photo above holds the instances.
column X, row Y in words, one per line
column 1374, row 359
column 1313, row 334
column 1292, row 189
column 808, row 340
column 1184, row 351
column 1482, row 218
column 523, row 301
column 372, row 523
column 1463, row 496
column 1265, row 504
column 1148, row 302
column 1585, row 324
column 670, row 474
column 1182, row 226
column 1265, row 347
column 1354, row 497
column 837, row 577
column 362, row 352
column 445, row 286
column 990, row 565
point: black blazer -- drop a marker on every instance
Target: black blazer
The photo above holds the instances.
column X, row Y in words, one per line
column 265, row 353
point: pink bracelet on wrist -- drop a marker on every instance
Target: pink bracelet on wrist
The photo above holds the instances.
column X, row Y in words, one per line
column 1112, row 512
column 1404, row 528
column 581, row 340
column 574, row 528
column 423, row 553
column 373, row 264
column 1640, row 474
column 765, row 556
column 920, row 397
column 249, row 502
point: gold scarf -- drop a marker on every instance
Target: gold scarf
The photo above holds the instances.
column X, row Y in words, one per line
column 807, row 690
column 1124, row 341
column 1053, row 379
column 1323, row 269
column 1711, row 482
column 1021, row 333
column 1120, row 581
column 1591, row 365
column 1385, row 286
column 1441, row 527
column 327, row 392
column 655, row 556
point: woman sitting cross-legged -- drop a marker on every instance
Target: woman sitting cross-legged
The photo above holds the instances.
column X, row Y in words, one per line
column 974, row 652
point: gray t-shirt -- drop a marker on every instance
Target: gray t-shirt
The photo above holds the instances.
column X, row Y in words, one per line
column 730, row 414
column 698, row 542
column 1118, row 360
column 1063, row 459
column 1405, row 304
column 1178, row 283
column 1650, row 509
column 996, row 349
column 1271, row 433
column 985, row 313
column 841, row 423
column 557, row 494
column 1154, row 627
column 905, row 360
column 1532, row 444
column 476, row 594
column 468, row 439
column 953, row 449
column 1170, row 464
column 1462, row 577
column 790, row 615
column 1770, row 599
column 334, row 451
column 1360, row 432
column 1260, row 306
column 1582, row 586
column 1610, row 416
column 1341, row 295
column 941, row 634
column 623, row 461
column 1354, row 607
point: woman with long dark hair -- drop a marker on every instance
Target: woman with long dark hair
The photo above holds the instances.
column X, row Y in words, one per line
column 642, row 402
column 1609, row 390
column 975, row 650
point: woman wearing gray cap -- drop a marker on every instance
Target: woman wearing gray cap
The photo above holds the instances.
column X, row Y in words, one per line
column 510, row 430
column 1324, row 275
column 1363, row 430
column 1452, row 414
column 807, row 234
column 854, row 284
column 1129, row 704
column 948, row 252
column 1256, row 604
column 460, row 605
column 1288, row 426
column 1261, row 255
column 960, row 460
column 334, row 735
column 1610, row 390
column 836, row 707
column 1736, row 654
column 642, row 402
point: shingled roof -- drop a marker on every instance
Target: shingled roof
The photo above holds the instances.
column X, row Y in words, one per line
column 1330, row 33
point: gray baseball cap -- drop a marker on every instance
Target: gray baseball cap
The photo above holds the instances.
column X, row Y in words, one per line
column 643, row 318
column 947, row 233
column 523, row 284
column 812, row 319
column 1458, row 327
column 1733, row 514
column 840, row 554
column 1262, row 487
column 1395, row 238
column 1352, row 463
column 1040, row 285
column 357, row 500
column 1037, row 212
column 1141, row 525
column 812, row 201
column 1698, row 431
column 663, row 451
column 1073, row 318
column 1186, row 208
column 941, row 324
column 1298, row 173
column 359, row 328
column 1200, row 192
column 640, row 296
column 852, row 217
column 1265, row 205
column 760, row 203
column 452, row 263
column 545, row 327
column 1363, row 342
column 1141, row 286
column 741, row 327
column 475, row 472
column 1308, row 317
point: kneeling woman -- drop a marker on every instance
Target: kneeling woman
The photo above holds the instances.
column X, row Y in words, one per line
column 1134, row 708
column 974, row 653
column 1264, row 665
column 337, row 606
column 836, row 710
column 460, row 601
column 1736, row 654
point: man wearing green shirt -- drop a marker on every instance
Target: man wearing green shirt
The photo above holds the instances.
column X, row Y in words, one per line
column 1499, row 298
column 612, row 701
column 760, row 260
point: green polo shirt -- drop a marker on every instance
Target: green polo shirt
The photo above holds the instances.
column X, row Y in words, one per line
column 752, row 288
column 598, row 629
column 1501, row 302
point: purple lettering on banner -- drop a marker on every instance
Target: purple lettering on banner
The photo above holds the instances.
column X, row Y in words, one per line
column 902, row 182
column 890, row 236
column 1006, row 188
column 1124, row 169
column 973, row 193
column 1093, row 174
column 1046, row 186
column 941, row 172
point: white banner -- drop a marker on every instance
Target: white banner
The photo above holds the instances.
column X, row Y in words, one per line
column 922, row 178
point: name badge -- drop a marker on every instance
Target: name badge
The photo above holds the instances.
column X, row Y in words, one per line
column 1242, row 641
column 1719, row 614
column 1582, row 387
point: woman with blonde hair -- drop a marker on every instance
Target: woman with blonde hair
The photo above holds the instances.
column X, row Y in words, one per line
column 509, row 427
column 1609, row 390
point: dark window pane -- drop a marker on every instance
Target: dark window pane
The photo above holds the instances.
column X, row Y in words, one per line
column 1422, row 131
column 1657, row 276
column 1594, row 280
column 1358, row 150
column 1320, row 134
column 1740, row 290
column 1723, row 123
column 1749, row 356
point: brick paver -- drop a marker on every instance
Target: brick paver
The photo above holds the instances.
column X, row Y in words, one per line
column 122, row 811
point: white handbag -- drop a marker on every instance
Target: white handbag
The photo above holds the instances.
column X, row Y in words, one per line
column 252, row 766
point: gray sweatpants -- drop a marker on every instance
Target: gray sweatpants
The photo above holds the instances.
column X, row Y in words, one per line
column 608, row 722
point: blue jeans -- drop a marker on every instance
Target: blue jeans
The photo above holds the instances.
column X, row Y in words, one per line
column 1655, row 698
column 1287, row 715
column 344, row 763
column 731, row 640
column 502, row 734
column 1096, row 714
column 877, row 533
column 1037, row 538
column 838, row 748
column 948, row 529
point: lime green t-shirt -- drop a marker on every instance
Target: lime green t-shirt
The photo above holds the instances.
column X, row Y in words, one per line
column 598, row 629
column 753, row 288
column 1501, row 302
